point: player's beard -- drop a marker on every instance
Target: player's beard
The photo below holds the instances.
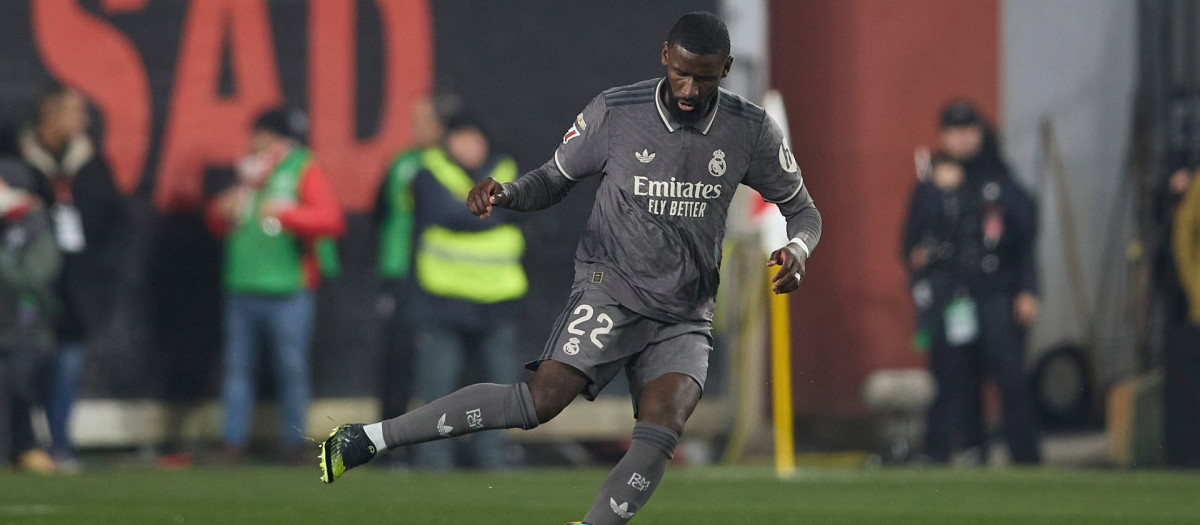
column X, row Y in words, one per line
column 689, row 117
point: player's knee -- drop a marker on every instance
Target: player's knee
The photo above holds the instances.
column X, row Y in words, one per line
column 669, row 401
column 553, row 387
column 549, row 400
column 663, row 413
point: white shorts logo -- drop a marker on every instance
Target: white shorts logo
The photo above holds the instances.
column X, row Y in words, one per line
column 475, row 418
column 639, row 482
column 786, row 160
column 716, row 166
column 572, row 346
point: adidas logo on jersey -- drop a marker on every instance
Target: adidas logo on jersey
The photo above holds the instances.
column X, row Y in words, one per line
column 621, row 510
column 645, row 156
column 443, row 428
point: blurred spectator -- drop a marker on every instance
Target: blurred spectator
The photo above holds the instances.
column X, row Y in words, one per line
column 1169, row 197
column 29, row 267
column 1182, row 359
column 88, row 215
column 279, row 214
column 930, row 260
column 968, row 241
column 468, row 272
column 1169, row 306
column 393, row 216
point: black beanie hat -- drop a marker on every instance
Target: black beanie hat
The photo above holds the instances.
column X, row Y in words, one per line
column 960, row 112
column 290, row 123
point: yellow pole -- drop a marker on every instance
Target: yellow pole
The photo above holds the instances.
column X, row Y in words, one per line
column 781, row 385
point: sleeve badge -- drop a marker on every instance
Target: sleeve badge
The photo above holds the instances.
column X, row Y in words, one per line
column 786, row 160
column 571, row 133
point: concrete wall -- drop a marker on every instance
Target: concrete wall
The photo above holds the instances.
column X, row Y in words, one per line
column 1075, row 63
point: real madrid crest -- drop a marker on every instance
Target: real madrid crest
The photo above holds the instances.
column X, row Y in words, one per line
column 716, row 166
column 572, row 346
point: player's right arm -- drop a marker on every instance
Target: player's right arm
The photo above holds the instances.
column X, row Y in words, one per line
column 583, row 153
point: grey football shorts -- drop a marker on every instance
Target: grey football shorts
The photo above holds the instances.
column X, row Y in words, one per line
column 597, row 336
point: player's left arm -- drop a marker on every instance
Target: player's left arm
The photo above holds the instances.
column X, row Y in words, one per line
column 774, row 174
column 536, row 190
column 804, row 229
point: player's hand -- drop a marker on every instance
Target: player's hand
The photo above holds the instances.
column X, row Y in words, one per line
column 484, row 195
column 790, row 259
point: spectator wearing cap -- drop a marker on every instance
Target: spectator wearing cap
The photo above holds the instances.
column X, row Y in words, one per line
column 468, row 273
column 279, row 214
column 968, row 242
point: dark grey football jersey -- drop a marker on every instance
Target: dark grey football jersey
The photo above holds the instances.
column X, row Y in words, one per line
column 653, row 240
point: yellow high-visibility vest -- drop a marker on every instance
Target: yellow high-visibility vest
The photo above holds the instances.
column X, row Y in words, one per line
column 478, row 266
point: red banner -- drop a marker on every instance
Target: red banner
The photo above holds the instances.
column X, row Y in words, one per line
column 203, row 125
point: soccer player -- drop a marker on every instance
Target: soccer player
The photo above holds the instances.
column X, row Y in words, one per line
column 671, row 152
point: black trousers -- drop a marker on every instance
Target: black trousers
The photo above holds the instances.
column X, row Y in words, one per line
column 955, row 418
column 398, row 345
column 21, row 370
column 1181, row 393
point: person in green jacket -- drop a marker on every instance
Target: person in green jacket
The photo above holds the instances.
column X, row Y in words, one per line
column 275, row 219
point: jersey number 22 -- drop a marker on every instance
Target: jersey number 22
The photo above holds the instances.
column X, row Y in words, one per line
column 606, row 324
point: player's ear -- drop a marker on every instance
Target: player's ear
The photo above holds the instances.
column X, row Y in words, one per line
column 664, row 53
column 728, row 65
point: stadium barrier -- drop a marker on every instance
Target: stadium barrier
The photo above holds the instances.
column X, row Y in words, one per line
column 107, row 423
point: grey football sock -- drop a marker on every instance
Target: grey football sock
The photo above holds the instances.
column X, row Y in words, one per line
column 477, row 407
column 635, row 477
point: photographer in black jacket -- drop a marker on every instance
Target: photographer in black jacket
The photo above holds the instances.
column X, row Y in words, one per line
column 969, row 245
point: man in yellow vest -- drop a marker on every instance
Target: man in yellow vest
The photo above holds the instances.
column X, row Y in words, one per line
column 275, row 219
column 468, row 273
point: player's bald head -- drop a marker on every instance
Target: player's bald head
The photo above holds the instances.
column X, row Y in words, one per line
column 701, row 33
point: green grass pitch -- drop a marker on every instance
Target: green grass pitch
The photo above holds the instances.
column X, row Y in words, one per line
column 688, row 496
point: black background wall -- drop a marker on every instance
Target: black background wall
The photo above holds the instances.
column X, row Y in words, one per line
column 528, row 66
